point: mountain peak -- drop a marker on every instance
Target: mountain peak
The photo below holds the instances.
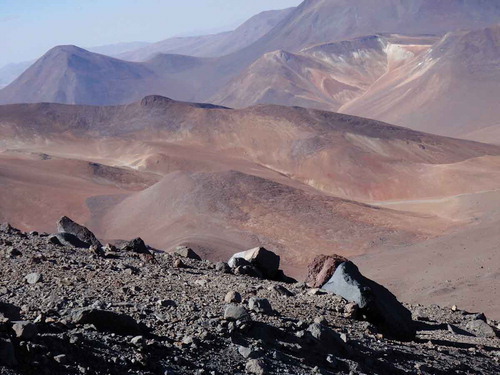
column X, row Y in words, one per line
column 66, row 49
column 155, row 100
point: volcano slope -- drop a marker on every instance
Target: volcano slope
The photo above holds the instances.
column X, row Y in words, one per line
column 451, row 89
column 296, row 180
column 67, row 74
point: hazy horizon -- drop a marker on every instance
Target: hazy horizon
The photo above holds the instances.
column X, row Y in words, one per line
column 31, row 27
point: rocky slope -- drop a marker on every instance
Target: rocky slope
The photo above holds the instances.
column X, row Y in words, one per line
column 67, row 310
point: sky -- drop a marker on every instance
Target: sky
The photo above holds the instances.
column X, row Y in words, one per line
column 28, row 28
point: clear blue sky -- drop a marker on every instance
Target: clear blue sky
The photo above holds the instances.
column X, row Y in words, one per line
column 28, row 28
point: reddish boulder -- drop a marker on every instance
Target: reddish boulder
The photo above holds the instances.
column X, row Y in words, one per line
column 322, row 268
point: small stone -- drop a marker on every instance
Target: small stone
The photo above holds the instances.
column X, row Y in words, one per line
column 326, row 336
column 33, row 278
column 330, row 358
column 248, row 353
column 320, row 320
column 282, row 291
column 256, row 366
column 107, row 321
column 222, row 267
column 481, row 329
column 260, row 305
column 315, row 292
column 12, row 252
column 351, row 310
column 232, row 297
column 166, row 303
column 137, row 341
column 97, row 250
column 201, row 282
column 61, row 358
column 479, row 316
column 454, row 308
column 25, row 330
column 235, row 312
column 179, row 264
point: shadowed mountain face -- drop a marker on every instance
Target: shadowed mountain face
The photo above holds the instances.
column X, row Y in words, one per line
column 335, row 20
column 68, row 74
column 212, row 45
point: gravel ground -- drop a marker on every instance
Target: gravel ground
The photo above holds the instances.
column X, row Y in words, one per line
column 65, row 310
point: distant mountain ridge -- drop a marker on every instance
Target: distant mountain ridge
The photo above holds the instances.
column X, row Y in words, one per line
column 292, row 63
column 212, row 45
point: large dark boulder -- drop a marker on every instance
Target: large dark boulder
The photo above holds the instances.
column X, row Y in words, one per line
column 377, row 303
column 66, row 225
column 265, row 261
column 137, row 245
column 107, row 321
column 322, row 268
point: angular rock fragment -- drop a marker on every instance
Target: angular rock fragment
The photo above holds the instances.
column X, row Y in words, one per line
column 256, row 367
column 186, row 252
column 481, row 328
column 33, row 278
column 222, row 267
column 25, row 330
column 107, row 321
column 322, row 268
column 65, row 224
column 330, row 340
column 236, row 312
column 260, row 305
column 232, row 297
column 376, row 302
column 282, row 291
column 137, row 245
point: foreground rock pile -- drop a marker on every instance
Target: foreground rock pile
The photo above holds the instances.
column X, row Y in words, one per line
column 124, row 308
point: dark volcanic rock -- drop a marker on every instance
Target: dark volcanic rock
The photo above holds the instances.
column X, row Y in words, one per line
column 137, row 245
column 481, row 328
column 236, row 312
column 65, row 224
column 327, row 337
column 108, row 321
column 260, row 305
column 264, row 260
column 322, row 268
column 186, row 252
column 376, row 302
